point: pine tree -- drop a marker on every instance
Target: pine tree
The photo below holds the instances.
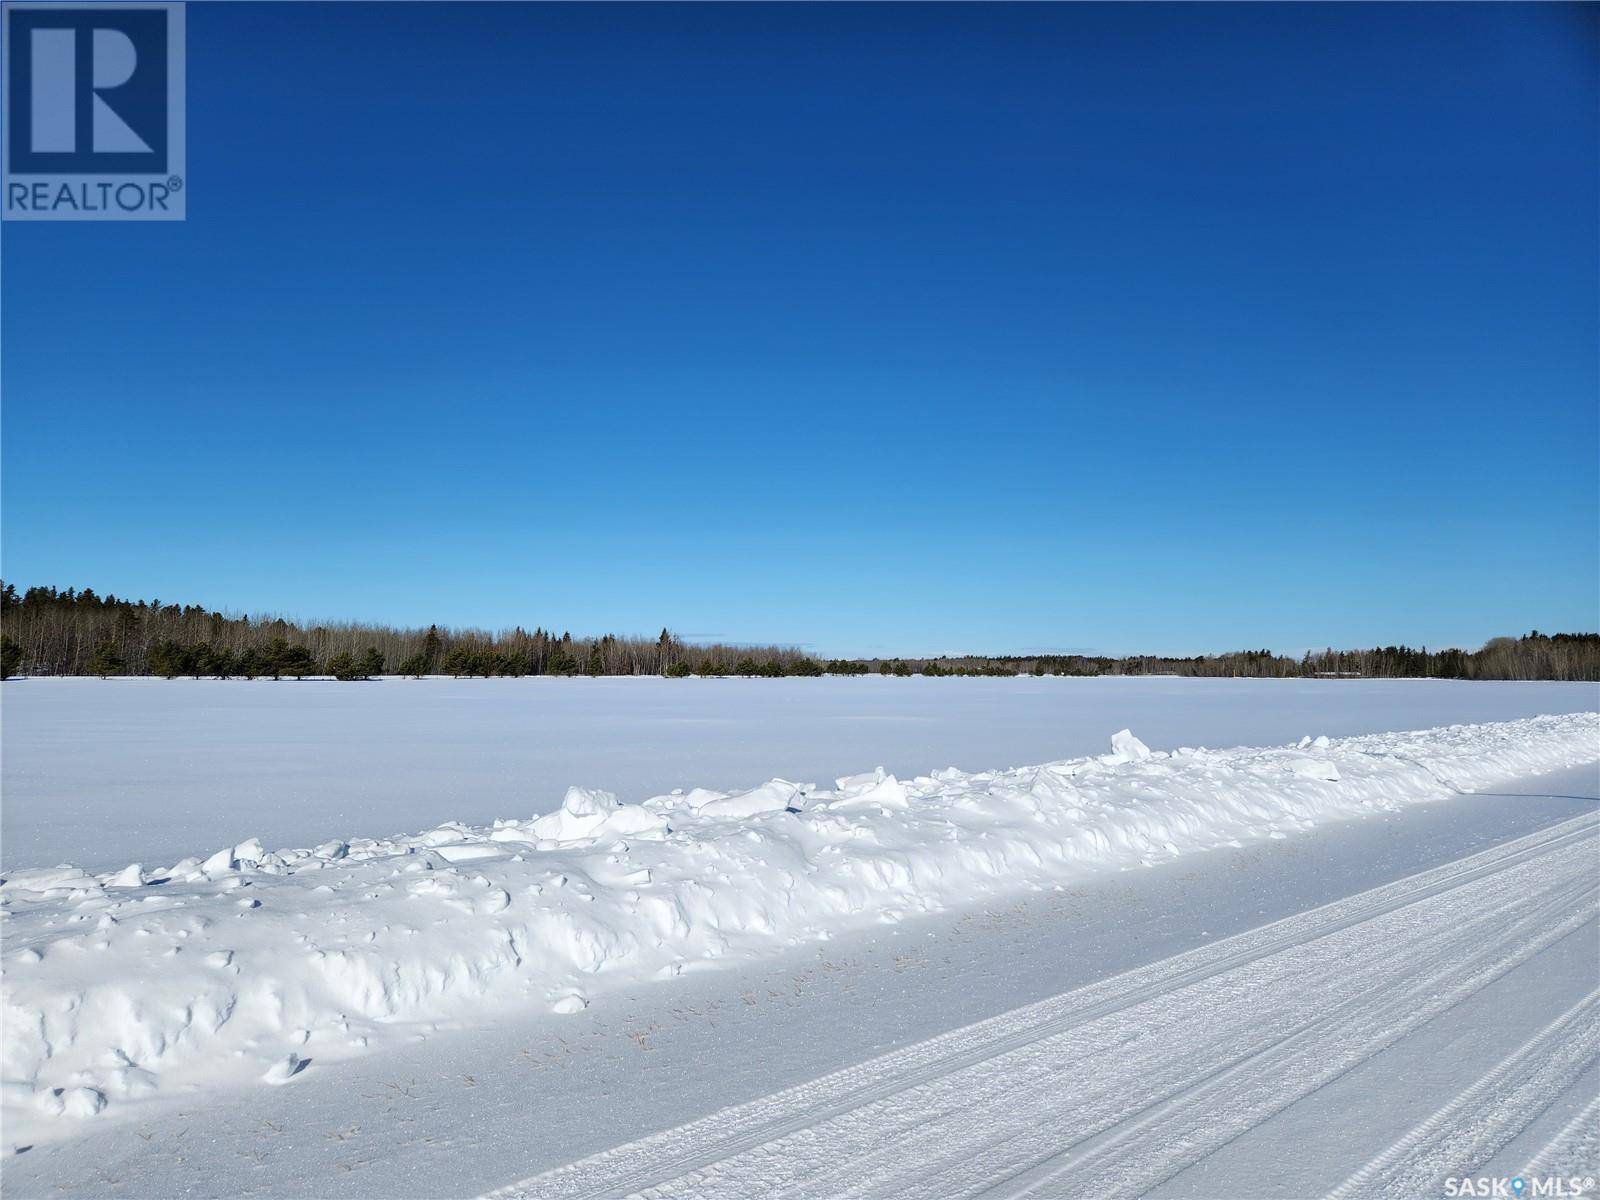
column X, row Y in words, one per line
column 106, row 660
column 166, row 658
column 458, row 662
column 299, row 662
column 342, row 666
column 275, row 658
column 200, row 660
column 10, row 652
column 432, row 648
column 372, row 662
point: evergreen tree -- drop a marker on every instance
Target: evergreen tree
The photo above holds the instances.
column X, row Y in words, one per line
column 342, row 666
column 458, row 662
column 200, row 660
column 106, row 660
column 372, row 662
column 165, row 658
column 432, row 649
column 298, row 662
column 10, row 652
column 415, row 665
column 275, row 658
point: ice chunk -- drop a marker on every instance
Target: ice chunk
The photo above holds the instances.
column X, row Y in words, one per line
column 885, row 791
column 774, row 796
column 130, row 876
column 582, row 812
column 853, row 785
column 251, row 851
column 1130, row 747
column 285, row 1069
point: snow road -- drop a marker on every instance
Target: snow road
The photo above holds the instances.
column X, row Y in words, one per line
column 1108, row 1090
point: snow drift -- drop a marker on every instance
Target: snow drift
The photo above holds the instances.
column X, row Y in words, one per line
column 248, row 964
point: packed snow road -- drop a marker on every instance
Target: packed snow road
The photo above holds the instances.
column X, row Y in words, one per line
column 1149, row 1081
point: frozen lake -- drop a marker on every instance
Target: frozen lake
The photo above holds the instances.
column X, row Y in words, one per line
column 104, row 772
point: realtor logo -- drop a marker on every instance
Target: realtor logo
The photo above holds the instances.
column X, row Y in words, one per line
column 94, row 112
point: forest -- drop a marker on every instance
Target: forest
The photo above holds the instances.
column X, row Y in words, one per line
column 50, row 631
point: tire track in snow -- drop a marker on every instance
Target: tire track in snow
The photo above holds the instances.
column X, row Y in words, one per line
column 1458, row 1138
column 1202, row 1120
column 712, row 1143
column 1134, row 1137
column 1573, row 1151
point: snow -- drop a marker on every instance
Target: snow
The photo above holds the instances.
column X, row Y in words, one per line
column 1371, row 986
column 104, row 772
column 243, row 964
column 475, row 1105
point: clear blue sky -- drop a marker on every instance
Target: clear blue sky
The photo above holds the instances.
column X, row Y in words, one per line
column 877, row 329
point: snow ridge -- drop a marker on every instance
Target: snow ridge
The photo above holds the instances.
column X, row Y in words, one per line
column 255, row 965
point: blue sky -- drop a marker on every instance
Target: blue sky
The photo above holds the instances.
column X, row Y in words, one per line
column 877, row 329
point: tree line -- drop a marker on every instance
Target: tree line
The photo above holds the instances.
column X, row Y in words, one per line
column 50, row 631
column 1570, row 657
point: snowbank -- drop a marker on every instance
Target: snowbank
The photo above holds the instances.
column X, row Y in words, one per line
column 247, row 964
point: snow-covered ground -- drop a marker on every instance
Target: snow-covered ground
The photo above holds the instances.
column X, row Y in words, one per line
column 1369, row 986
column 1380, row 1002
column 132, row 990
column 99, row 773
column 1141, row 969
